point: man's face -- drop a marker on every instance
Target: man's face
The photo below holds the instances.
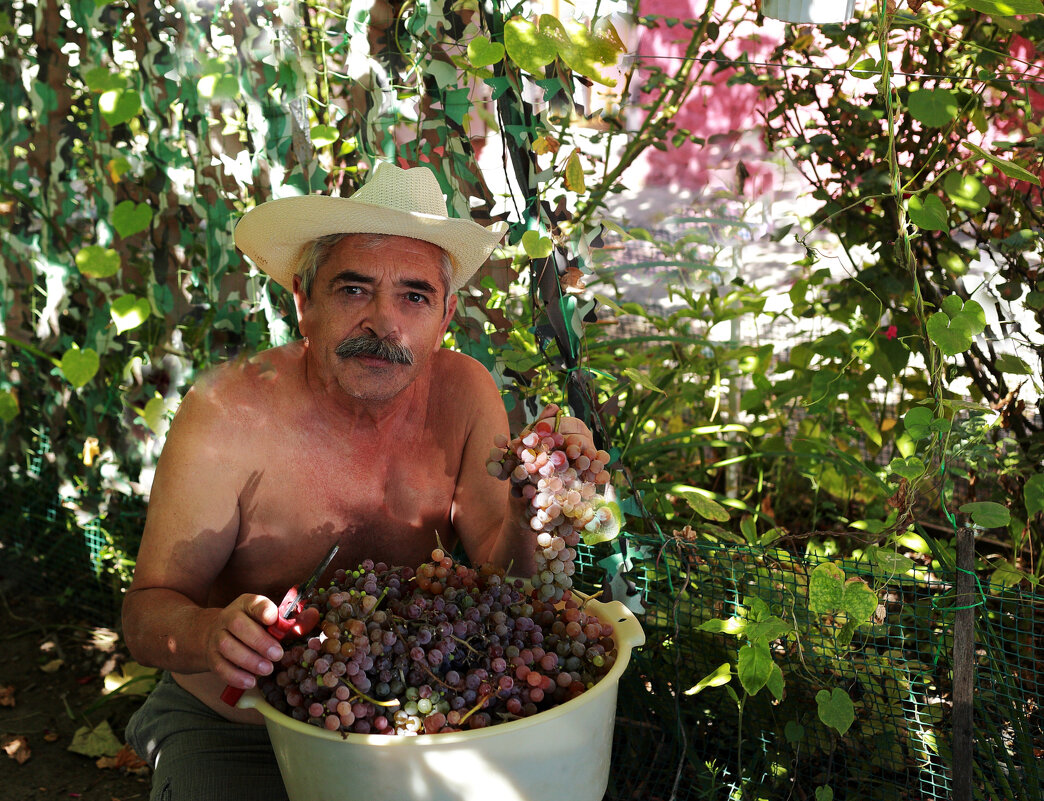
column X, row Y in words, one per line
column 376, row 315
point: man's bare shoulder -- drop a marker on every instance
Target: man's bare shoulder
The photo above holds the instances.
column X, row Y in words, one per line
column 457, row 372
column 246, row 389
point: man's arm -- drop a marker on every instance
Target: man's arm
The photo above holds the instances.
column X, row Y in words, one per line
column 190, row 533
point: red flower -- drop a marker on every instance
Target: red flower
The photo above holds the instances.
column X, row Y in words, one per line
column 891, row 332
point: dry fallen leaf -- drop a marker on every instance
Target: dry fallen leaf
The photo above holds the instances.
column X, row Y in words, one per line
column 131, row 679
column 125, row 759
column 51, row 736
column 17, row 748
column 7, row 695
column 52, row 666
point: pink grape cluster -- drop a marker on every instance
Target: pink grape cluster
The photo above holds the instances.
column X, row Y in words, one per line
column 444, row 648
column 559, row 475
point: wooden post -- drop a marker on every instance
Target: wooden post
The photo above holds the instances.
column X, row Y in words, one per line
column 964, row 667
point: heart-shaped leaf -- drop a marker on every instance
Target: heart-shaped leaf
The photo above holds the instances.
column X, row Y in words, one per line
column 929, row 214
column 119, row 105
column 94, row 261
column 933, row 107
column 910, row 467
column 8, row 406
column 95, row 742
column 589, row 52
column 128, row 312
column 952, row 336
column 966, row 192
column 484, row 53
column 79, row 366
column 323, row 135
column 892, row 563
column 128, row 218
column 858, row 600
column 825, row 588
column 987, row 514
column 536, row 246
column 825, row 793
column 99, row 79
column 836, row 709
column 532, row 47
column 917, row 422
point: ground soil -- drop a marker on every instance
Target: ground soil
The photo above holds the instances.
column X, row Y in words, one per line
column 48, row 707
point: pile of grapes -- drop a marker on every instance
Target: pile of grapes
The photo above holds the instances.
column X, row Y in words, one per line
column 446, row 648
column 559, row 476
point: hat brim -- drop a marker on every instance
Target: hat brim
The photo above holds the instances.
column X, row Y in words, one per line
column 274, row 234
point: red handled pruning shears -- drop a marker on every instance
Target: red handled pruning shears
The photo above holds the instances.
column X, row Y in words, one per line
column 293, row 602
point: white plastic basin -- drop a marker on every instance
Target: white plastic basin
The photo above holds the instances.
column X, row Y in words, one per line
column 561, row 753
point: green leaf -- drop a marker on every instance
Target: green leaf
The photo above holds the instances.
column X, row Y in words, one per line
column 824, row 793
column 1004, row 8
column 641, row 378
column 775, row 682
column 128, row 312
column 966, row 192
column 825, row 588
column 953, row 336
column 858, row 600
column 94, row 261
column 918, row 421
column 892, row 563
column 698, row 501
column 909, row 467
column 1033, row 492
column 933, row 107
column 836, row 709
column 536, row 246
column 79, row 366
column 589, row 52
column 155, row 414
column 99, row 79
column 8, row 406
column 128, row 218
column 719, row 677
column 1012, row 365
column 323, row 135
column 754, row 666
column 95, row 742
column 1005, row 574
column 1009, row 168
column 484, row 53
column 532, row 48
column 987, row 514
column 119, row 105
column 929, row 214
column 607, row 530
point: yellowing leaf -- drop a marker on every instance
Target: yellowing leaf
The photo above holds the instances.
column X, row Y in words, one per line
column 95, row 742
column 574, row 174
column 131, row 679
column 53, row 666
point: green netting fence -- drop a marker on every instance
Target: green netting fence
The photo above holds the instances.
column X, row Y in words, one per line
column 673, row 743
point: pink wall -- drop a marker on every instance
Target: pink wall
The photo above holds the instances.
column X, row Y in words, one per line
column 725, row 115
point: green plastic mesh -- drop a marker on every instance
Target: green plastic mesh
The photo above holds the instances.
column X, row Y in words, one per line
column 897, row 669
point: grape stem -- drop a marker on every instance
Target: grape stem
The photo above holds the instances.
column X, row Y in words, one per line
column 374, row 607
column 481, row 703
column 361, row 694
column 466, row 644
column 437, row 679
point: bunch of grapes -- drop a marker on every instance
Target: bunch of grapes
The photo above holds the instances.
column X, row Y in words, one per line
column 559, row 476
column 445, row 648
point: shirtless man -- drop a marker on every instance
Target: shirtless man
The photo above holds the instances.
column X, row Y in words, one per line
column 367, row 433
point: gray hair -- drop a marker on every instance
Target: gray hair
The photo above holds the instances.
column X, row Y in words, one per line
column 318, row 250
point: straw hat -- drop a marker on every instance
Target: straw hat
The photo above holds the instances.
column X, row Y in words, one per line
column 395, row 201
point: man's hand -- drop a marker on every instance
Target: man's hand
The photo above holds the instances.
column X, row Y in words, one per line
column 566, row 425
column 238, row 645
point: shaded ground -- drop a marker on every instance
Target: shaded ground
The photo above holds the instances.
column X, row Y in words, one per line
column 49, row 706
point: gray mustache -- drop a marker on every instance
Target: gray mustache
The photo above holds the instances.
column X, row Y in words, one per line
column 374, row 346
